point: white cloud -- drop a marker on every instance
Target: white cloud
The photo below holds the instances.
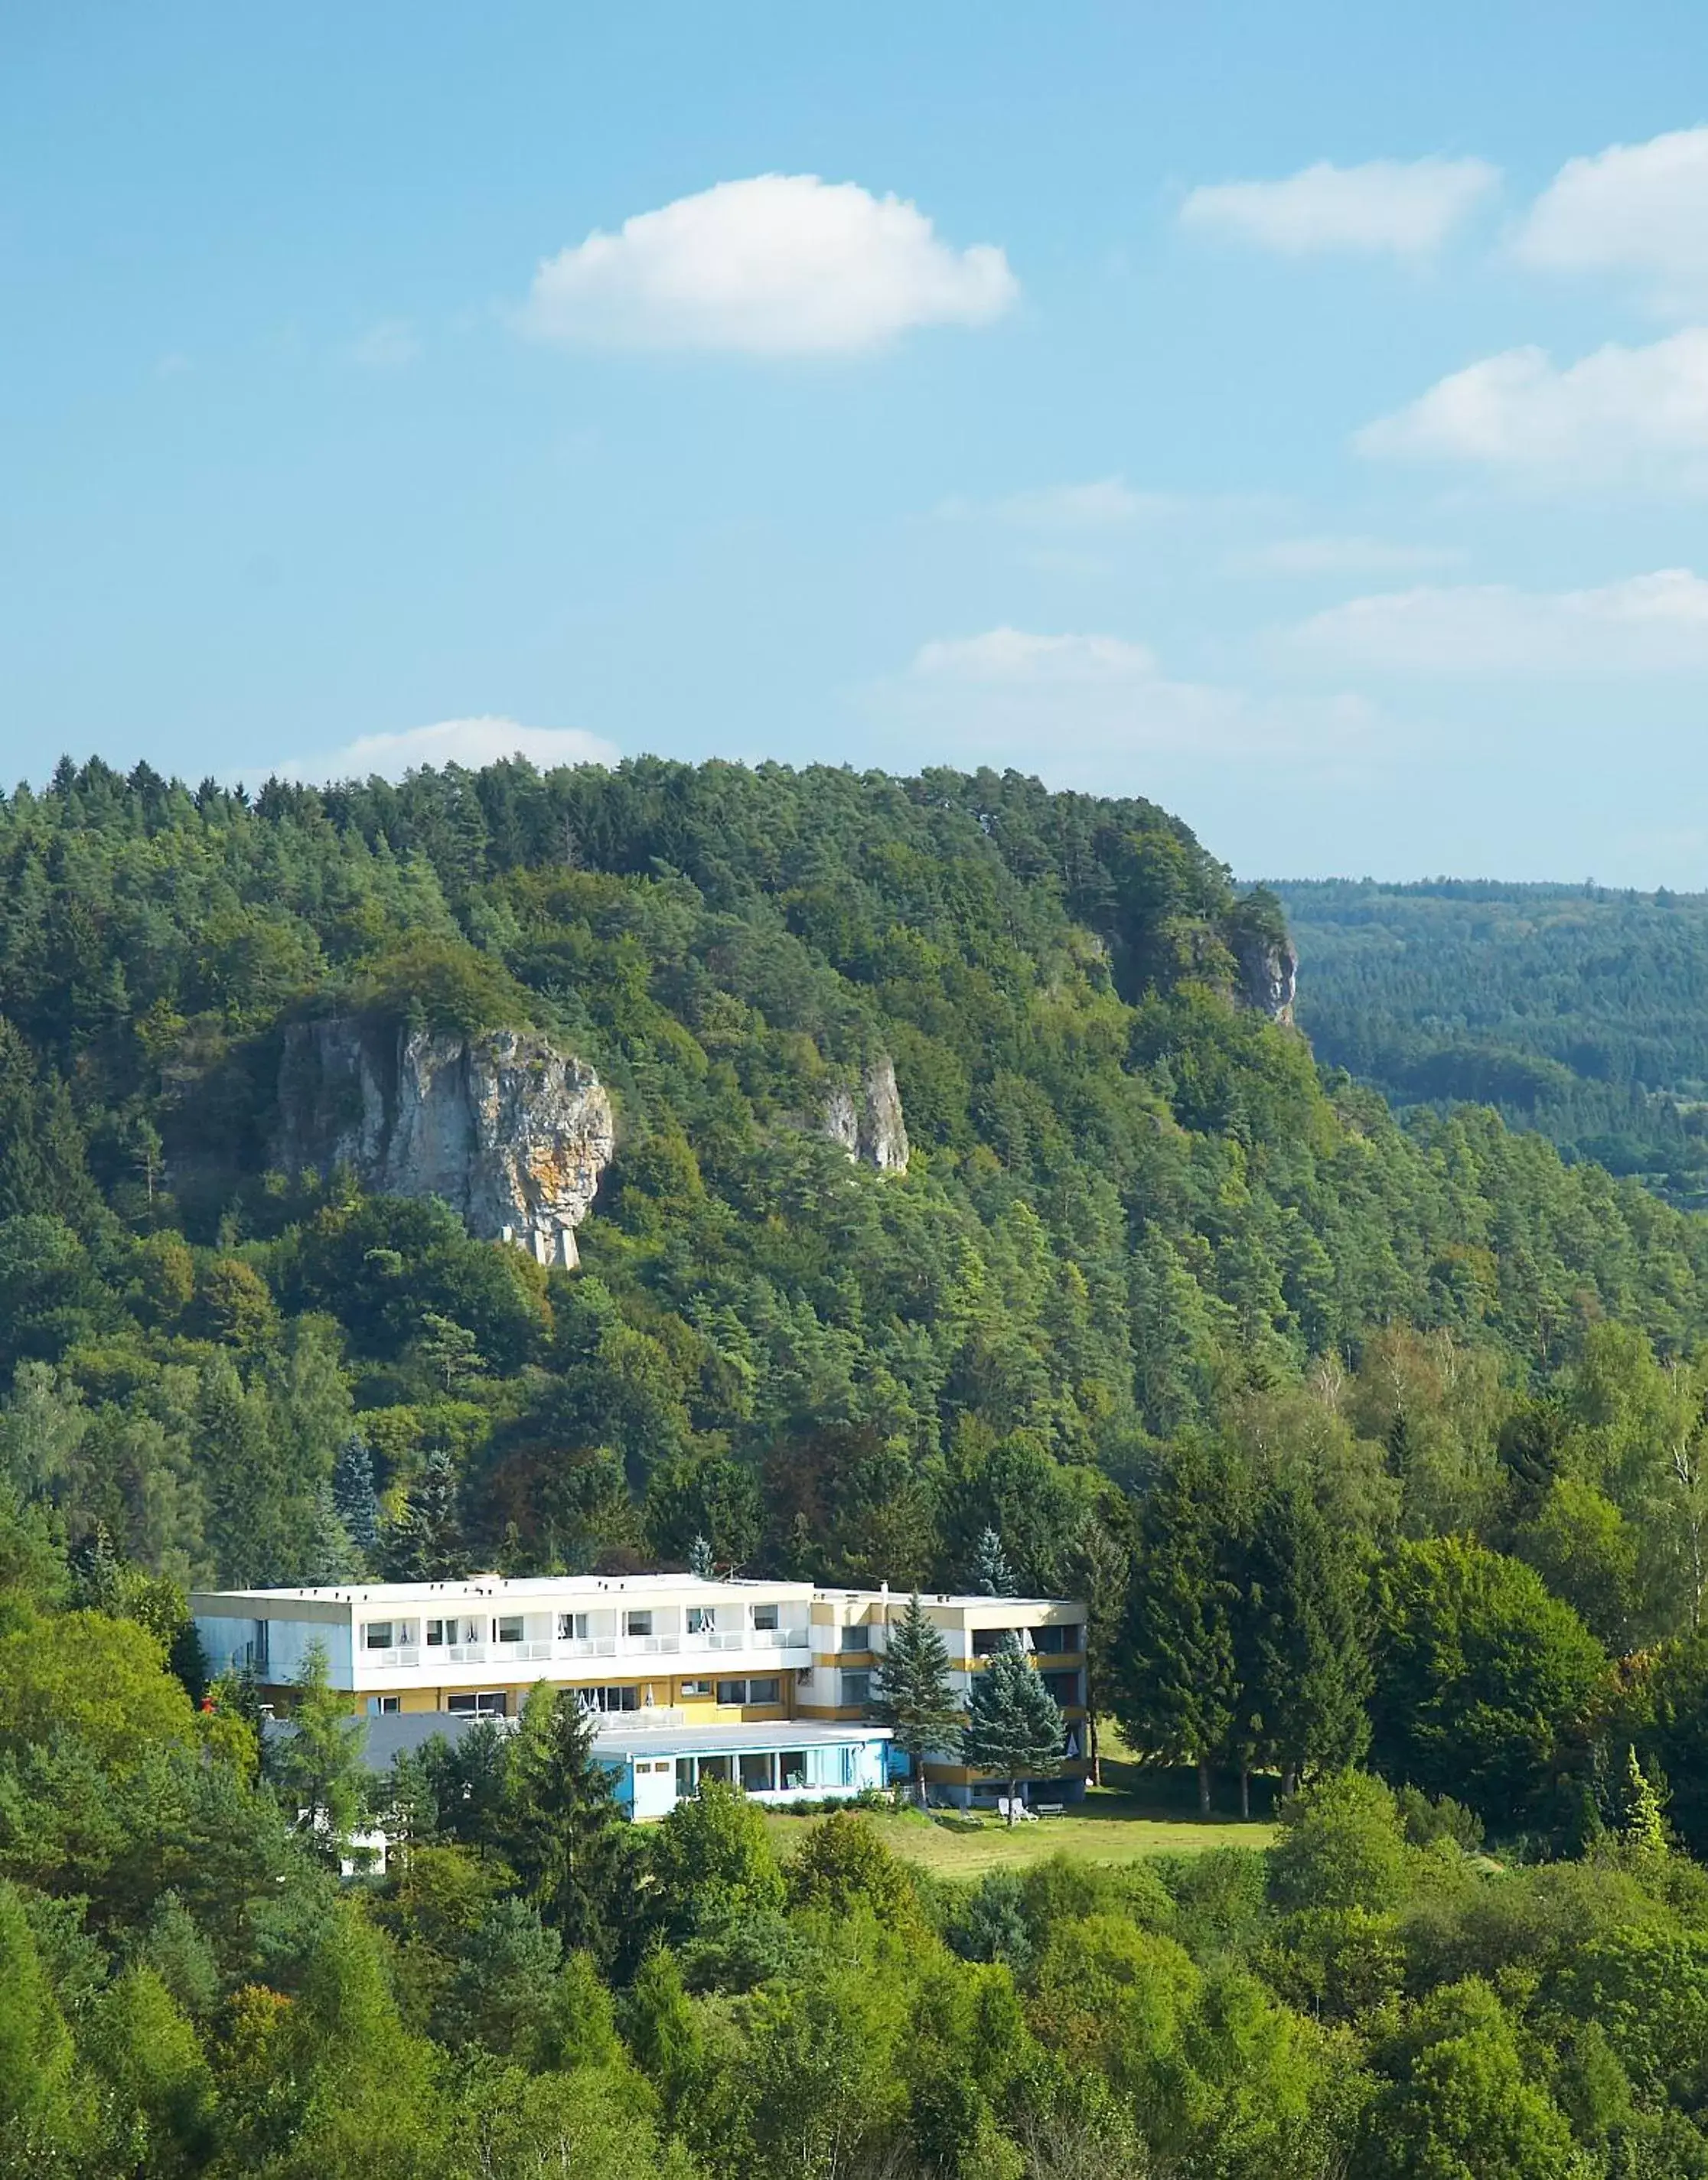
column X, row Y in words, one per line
column 471, row 742
column 778, row 265
column 1062, row 705
column 1338, row 556
column 387, row 346
column 1639, row 208
column 1654, row 623
column 1106, row 503
column 1617, row 410
column 1405, row 207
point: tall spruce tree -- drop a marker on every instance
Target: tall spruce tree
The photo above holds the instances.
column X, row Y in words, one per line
column 354, row 1496
column 992, row 1576
column 700, row 1560
column 1099, row 1567
column 1014, row 1725
column 559, row 1825
column 426, row 1545
column 1177, row 1686
column 912, row 1696
column 1305, row 1655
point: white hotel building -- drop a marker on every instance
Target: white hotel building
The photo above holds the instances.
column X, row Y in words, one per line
column 763, row 1682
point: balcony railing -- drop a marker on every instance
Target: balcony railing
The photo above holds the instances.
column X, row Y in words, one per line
column 569, row 1648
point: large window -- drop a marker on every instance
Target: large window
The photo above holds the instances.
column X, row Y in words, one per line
column 758, row 1776
column 508, row 1629
column 766, row 1690
column 690, row 1689
column 1064, row 1686
column 572, row 1627
column 765, row 1619
column 856, row 1688
column 1058, row 1642
column 702, row 1618
column 611, row 1698
column 637, row 1623
column 855, row 1638
column 988, row 1641
column 791, row 1770
column 732, row 1692
column 491, row 1703
column 378, row 1635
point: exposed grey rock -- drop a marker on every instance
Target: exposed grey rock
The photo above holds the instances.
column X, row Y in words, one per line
column 865, row 1118
column 1268, row 974
column 507, row 1131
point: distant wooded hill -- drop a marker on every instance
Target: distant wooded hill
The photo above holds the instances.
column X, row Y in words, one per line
column 1578, row 1011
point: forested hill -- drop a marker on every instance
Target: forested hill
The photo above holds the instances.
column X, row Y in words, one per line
column 1133, row 1212
column 1575, row 1009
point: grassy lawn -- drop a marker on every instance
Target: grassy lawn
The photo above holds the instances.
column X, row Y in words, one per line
column 1109, row 1826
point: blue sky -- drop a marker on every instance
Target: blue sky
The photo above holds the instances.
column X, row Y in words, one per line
column 1298, row 415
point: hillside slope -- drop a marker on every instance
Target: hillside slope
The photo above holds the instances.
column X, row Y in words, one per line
column 1130, row 1205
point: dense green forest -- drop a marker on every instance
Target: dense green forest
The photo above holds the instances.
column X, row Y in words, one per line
column 1575, row 1009
column 1370, row 1442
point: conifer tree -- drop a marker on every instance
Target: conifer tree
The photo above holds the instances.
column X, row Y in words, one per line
column 700, row 1560
column 1307, row 1663
column 913, row 1698
column 1014, row 1725
column 354, row 1496
column 426, row 1545
column 317, row 1765
column 992, row 1576
column 1178, row 1686
column 559, row 1825
column 1099, row 1570
column 1643, row 1829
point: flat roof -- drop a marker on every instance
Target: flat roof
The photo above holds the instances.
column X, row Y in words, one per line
column 480, row 1586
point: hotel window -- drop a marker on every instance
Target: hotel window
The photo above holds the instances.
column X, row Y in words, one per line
column 717, row 1767
column 490, row 1703
column 637, row 1623
column 685, row 1775
column 732, row 1692
column 765, row 1618
column 769, row 1690
column 702, row 1618
column 572, row 1627
column 611, row 1698
column 378, row 1635
column 696, row 1688
column 436, row 1636
column 384, row 1706
column 758, row 1776
column 988, row 1641
column 1058, row 1642
column 855, row 1638
column 1064, row 1686
column 856, row 1688
column 791, row 1770
column 508, row 1630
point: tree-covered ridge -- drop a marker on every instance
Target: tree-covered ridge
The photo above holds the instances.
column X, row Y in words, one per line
column 1578, row 1011
column 1132, row 1210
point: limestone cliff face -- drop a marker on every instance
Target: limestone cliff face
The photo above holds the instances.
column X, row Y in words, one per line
column 866, row 1119
column 510, row 1132
column 1268, row 974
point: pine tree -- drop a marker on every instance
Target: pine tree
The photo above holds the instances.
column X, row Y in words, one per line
column 992, row 1576
column 559, row 1826
column 1178, row 1686
column 1307, row 1664
column 1099, row 1570
column 354, row 1496
column 332, row 1556
column 317, row 1766
column 1014, row 1725
column 913, row 1698
column 426, row 1545
column 700, row 1561
column 1643, row 1829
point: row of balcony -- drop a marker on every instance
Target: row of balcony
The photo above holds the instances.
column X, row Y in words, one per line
column 566, row 1648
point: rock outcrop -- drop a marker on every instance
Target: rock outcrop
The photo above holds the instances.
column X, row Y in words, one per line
column 865, row 1118
column 1268, row 974
column 510, row 1132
